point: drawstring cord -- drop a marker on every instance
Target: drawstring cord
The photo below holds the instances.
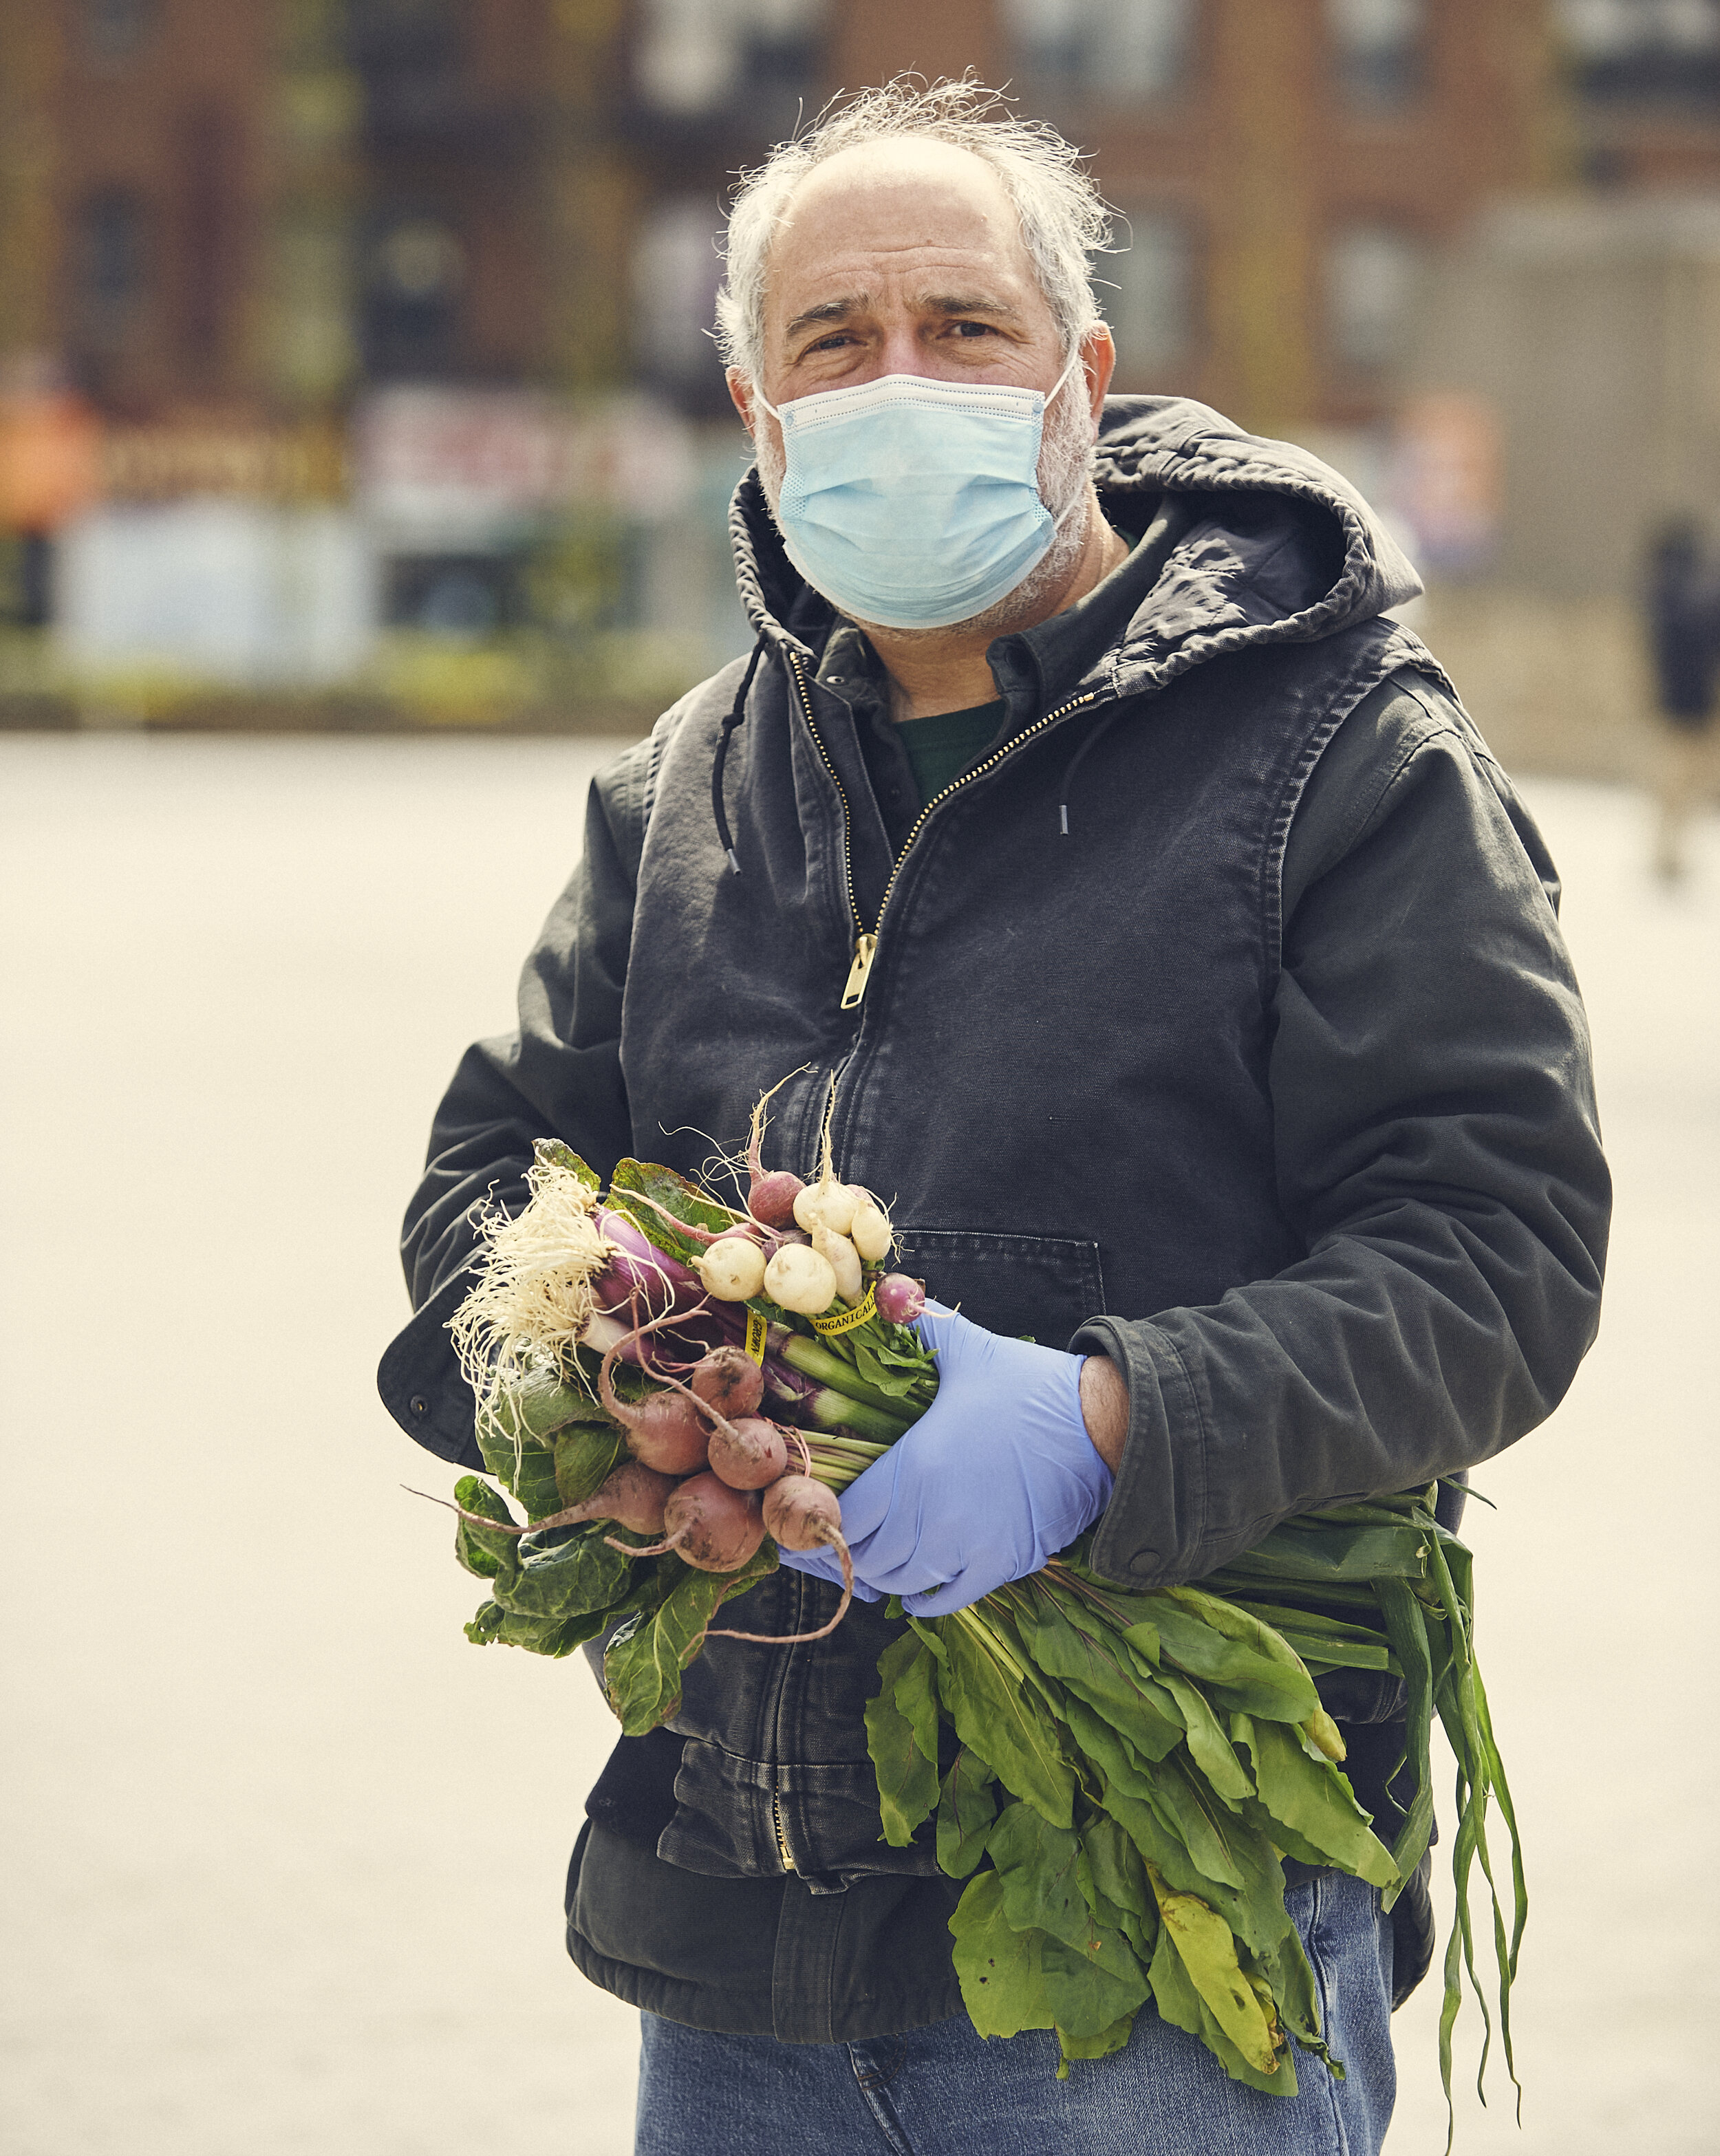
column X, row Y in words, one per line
column 1074, row 765
column 738, row 712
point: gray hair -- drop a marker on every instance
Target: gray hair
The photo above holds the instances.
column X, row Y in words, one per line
column 1064, row 218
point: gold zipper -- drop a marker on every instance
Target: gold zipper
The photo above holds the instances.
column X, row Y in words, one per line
column 776, row 1820
column 866, row 940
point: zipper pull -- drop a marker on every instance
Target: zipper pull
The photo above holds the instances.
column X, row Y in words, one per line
column 864, row 947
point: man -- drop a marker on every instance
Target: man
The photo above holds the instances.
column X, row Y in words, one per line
column 1682, row 607
column 1191, row 981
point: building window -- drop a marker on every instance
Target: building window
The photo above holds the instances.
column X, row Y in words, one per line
column 695, row 56
column 111, row 266
column 1645, row 51
column 1121, row 51
column 1152, row 308
column 1378, row 48
column 1373, row 281
column 675, row 270
column 415, row 271
column 409, row 58
column 115, row 30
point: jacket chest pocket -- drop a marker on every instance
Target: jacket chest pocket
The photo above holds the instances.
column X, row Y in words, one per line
column 1046, row 1286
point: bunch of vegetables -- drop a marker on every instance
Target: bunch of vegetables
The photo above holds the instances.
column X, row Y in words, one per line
column 672, row 1389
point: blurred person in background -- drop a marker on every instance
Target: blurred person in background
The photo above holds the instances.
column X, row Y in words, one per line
column 1190, row 979
column 1682, row 604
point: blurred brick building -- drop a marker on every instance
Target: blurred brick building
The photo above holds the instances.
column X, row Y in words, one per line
column 242, row 231
column 256, row 206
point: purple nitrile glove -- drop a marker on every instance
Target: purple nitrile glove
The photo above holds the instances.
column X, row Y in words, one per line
column 997, row 1475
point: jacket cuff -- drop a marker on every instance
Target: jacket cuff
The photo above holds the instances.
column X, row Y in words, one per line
column 1148, row 1535
column 420, row 1380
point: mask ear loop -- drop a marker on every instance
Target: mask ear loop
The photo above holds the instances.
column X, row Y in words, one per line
column 1056, row 389
column 1055, row 392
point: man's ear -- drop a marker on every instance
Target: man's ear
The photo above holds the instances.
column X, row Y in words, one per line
column 741, row 395
column 1099, row 364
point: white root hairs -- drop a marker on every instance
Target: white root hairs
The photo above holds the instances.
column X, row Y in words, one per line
column 534, row 1299
column 827, row 1166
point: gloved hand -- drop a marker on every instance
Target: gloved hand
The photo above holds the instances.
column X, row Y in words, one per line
column 997, row 1475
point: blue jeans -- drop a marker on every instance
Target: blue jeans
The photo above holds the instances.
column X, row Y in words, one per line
column 944, row 2091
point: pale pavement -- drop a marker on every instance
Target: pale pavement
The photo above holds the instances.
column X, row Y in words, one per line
column 285, row 1852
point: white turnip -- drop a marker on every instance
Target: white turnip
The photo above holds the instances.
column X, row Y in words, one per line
column 870, row 1232
column 843, row 1260
column 826, row 1204
column 732, row 1268
column 801, row 1281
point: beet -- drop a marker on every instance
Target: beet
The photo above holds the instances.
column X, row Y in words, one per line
column 666, row 1432
column 634, row 1497
column 730, row 1381
column 801, row 1514
column 748, row 1453
column 713, row 1526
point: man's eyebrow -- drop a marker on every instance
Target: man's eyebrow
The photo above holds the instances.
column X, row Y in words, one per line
column 829, row 310
column 958, row 303
column 949, row 304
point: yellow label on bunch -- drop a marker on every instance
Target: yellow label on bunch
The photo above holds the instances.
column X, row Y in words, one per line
column 844, row 1321
column 757, row 1332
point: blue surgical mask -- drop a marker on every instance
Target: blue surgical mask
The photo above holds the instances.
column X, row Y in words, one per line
column 914, row 503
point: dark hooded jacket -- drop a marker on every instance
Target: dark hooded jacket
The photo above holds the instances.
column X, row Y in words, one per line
column 1267, row 1076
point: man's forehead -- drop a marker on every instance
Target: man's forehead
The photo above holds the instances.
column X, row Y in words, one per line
column 927, row 211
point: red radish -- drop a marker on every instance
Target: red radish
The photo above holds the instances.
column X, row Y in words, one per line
column 749, row 1452
column 728, row 1380
column 634, row 1497
column 710, row 1526
column 900, row 1299
column 771, row 1199
column 801, row 1514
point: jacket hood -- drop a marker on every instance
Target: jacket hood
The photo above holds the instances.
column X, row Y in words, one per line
column 1243, row 540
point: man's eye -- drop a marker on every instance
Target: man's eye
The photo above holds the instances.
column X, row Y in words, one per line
column 974, row 330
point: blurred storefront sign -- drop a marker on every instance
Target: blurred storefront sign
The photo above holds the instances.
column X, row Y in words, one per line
column 195, row 455
column 50, row 460
column 1446, row 480
column 459, row 470
column 253, row 594
column 58, row 457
